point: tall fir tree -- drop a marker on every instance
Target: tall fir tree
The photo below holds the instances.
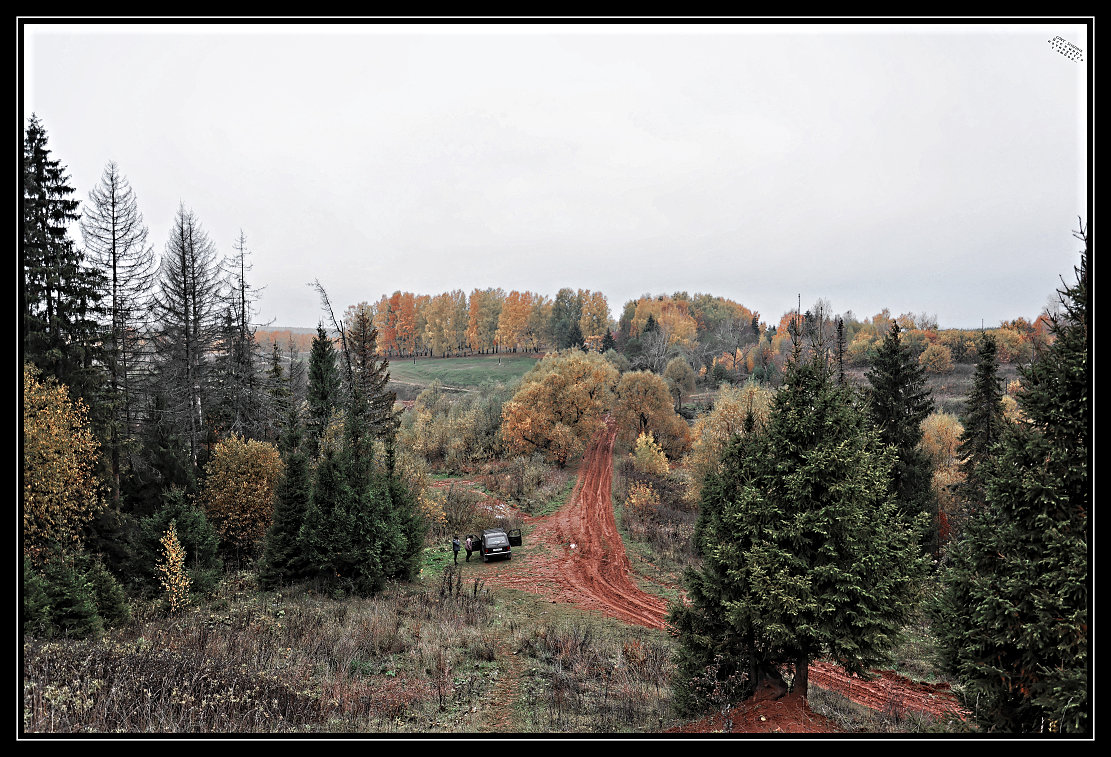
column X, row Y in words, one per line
column 60, row 293
column 325, row 531
column 804, row 550
column 162, row 464
column 116, row 245
column 1012, row 620
column 279, row 404
column 186, row 311
column 323, row 395
column 983, row 424
column 898, row 402
column 361, row 527
column 237, row 400
column 369, row 399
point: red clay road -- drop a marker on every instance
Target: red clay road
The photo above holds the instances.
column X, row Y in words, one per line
column 576, row 555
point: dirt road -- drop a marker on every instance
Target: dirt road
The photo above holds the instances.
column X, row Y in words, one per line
column 576, row 556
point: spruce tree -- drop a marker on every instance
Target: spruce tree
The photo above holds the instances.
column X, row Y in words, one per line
column 70, row 598
column 35, row 601
column 61, row 293
column 116, row 245
column 804, row 549
column 282, row 560
column 898, row 402
column 983, row 423
column 163, row 462
column 278, row 404
column 381, row 546
column 370, row 402
column 195, row 534
column 323, row 389
column 360, row 528
column 325, row 533
column 1012, row 619
column 111, row 601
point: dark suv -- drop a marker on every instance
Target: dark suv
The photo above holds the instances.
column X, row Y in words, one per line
column 496, row 543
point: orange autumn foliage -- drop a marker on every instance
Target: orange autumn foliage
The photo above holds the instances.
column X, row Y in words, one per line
column 560, row 405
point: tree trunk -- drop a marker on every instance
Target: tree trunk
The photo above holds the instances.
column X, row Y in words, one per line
column 802, row 675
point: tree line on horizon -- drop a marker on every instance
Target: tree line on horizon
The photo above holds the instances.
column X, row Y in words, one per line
column 722, row 339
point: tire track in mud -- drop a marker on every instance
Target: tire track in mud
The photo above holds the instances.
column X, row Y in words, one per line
column 890, row 693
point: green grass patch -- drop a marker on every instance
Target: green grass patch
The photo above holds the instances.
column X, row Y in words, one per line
column 559, row 498
column 463, row 372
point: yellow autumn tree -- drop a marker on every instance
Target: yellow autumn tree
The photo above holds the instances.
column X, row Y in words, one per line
column 560, row 405
column 642, row 498
column 513, row 320
column 713, row 429
column 483, row 311
column 60, row 491
column 644, row 406
column 941, row 441
column 672, row 317
column 649, row 457
column 171, row 570
column 595, row 317
column 238, row 495
column 936, row 358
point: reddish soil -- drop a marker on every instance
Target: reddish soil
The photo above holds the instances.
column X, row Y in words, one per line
column 584, row 562
column 789, row 714
column 576, row 556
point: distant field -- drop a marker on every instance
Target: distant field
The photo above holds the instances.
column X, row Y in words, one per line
column 465, row 372
column 949, row 390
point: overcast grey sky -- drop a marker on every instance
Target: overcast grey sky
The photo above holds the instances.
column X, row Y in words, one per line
column 934, row 169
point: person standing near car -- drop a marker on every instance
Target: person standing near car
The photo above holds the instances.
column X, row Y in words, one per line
column 469, row 547
column 455, row 549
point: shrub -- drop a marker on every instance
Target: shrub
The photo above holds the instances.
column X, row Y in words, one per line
column 642, row 498
column 649, row 457
column 72, row 600
column 241, row 479
column 936, row 358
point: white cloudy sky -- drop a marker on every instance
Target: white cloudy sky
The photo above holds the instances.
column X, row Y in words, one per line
column 925, row 169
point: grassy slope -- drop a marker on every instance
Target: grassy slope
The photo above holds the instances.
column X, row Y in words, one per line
column 461, row 371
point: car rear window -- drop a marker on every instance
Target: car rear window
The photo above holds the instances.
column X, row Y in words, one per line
column 496, row 540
